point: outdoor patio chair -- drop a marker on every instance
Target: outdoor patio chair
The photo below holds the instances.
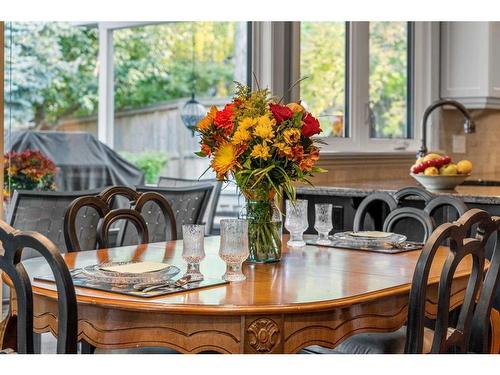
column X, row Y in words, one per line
column 208, row 218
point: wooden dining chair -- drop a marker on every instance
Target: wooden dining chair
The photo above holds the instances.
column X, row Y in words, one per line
column 471, row 332
column 441, row 209
column 84, row 237
column 14, row 242
column 208, row 217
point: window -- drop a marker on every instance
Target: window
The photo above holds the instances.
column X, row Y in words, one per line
column 323, row 89
column 360, row 83
column 389, row 106
column 60, row 77
column 154, row 75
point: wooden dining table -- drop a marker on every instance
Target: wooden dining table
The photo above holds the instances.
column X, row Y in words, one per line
column 313, row 296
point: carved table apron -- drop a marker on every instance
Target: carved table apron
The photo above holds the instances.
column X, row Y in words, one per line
column 314, row 296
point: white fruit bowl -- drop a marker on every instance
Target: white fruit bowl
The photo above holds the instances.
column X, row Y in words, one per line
column 440, row 182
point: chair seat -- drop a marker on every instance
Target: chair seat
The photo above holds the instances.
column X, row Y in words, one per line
column 376, row 343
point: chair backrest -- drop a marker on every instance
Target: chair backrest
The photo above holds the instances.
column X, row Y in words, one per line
column 158, row 215
column 480, row 337
column 410, row 213
column 43, row 212
column 14, row 242
column 441, row 208
column 413, row 191
column 369, row 203
column 188, row 205
column 208, row 218
column 445, row 338
column 113, row 216
column 86, row 238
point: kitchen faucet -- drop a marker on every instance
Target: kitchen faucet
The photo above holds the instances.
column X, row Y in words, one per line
column 469, row 126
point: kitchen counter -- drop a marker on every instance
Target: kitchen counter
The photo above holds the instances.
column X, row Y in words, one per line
column 469, row 194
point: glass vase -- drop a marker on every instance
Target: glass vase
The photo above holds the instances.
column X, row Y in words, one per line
column 264, row 230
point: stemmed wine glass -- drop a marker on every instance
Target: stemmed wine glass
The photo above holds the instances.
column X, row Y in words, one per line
column 296, row 221
column 323, row 222
column 233, row 247
column 193, row 250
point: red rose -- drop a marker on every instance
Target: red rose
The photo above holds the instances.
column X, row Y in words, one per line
column 280, row 112
column 224, row 119
column 311, row 126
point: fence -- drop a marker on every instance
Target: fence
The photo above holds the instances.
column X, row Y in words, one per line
column 157, row 128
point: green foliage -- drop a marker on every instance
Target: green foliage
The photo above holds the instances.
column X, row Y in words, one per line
column 388, row 77
column 151, row 163
column 50, row 71
column 322, row 60
column 54, row 66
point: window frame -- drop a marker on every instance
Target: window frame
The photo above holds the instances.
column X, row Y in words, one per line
column 272, row 46
column 106, row 89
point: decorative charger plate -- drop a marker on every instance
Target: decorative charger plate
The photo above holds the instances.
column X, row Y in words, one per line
column 101, row 273
column 369, row 238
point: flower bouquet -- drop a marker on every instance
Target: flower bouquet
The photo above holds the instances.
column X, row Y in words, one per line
column 28, row 170
column 265, row 147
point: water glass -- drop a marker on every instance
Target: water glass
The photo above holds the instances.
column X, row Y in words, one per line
column 233, row 247
column 323, row 222
column 296, row 221
column 193, row 250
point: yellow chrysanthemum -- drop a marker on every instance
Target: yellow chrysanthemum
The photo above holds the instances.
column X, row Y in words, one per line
column 241, row 136
column 291, row 136
column 266, row 121
column 208, row 120
column 295, row 107
column 225, row 158
column 264, row 128
column 247, row 123
column 284, row 148
column 261, row 151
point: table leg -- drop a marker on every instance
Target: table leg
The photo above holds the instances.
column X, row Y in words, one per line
column 495, row 331
column 86, row 348
column 8, row 332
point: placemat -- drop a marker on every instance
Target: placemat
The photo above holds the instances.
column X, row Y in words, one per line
column 128, row 289
column 406, row 246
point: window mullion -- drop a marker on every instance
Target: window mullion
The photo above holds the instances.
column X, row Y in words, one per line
column 359, row 82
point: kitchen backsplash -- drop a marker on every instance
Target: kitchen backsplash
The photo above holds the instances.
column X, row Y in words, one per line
column 482, row 147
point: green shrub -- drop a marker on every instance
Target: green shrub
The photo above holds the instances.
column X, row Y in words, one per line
column 151, row 163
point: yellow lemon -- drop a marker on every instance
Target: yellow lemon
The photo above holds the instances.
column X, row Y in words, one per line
column 431, row 171
column 464, row 167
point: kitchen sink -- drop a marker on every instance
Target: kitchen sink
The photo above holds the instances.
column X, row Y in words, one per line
column 480, row 182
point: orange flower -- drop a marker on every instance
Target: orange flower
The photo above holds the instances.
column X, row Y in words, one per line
column 207, row 121
column 206, row 149
column 307, row 163
column 298, row 152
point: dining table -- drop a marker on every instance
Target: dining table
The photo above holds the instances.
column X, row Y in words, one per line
column 313, row 296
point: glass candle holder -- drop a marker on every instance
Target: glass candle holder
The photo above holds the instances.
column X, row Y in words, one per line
column 323, row 222
column 233, row 247
column 296, row 221
column 193, row 250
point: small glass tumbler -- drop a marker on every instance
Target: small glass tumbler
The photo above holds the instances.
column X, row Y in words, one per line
column 296, row 221
column 323, row 222
column 193, row 250
column 233, row 247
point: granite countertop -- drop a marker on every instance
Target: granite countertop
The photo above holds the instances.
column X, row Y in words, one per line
column 469, row 194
